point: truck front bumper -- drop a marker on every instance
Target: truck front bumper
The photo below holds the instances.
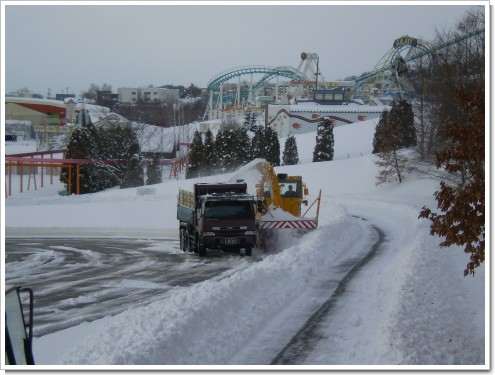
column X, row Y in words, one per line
column 234, row 241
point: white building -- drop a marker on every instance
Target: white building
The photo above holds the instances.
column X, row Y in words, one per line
column 304, row 117
column 147, row 95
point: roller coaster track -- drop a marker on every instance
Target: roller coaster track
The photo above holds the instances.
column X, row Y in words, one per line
column 425, row 50
column 268, row 71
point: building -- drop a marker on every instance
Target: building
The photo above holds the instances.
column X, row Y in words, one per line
column 129, row 95
column 304, row 117
column 106, row 98
column 62, row 97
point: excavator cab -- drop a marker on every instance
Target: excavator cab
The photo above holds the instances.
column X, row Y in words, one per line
column 288, row 193
column 292, row 193
column 280, row 198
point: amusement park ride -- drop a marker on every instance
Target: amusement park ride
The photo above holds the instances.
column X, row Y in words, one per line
column 395, row 76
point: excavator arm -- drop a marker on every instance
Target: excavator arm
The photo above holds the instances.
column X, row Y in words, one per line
column 268, row 174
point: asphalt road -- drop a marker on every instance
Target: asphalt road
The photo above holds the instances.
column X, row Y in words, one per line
column 76, row 280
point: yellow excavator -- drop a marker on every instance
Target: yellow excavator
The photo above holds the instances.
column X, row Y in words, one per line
column 283, row 204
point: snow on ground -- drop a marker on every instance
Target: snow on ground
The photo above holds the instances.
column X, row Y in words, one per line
column 410, row 306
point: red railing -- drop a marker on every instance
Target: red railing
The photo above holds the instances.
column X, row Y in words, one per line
column 33, row 160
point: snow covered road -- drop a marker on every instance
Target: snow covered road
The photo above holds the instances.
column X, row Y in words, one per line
column 79, row 280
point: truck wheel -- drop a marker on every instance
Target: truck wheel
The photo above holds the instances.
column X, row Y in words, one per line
column 248, row 251
column 182, row 239
column 201, row 247
column 193, row 245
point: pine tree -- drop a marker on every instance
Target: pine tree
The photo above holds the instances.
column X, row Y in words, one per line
column 257, row 143
column 405, row 121
column 82, row 145
column 324, row 140
column 132, row 171
column 394, row 133
column 380, row 132
column 247, row 119
column 154, row 172
column 195, row 161
column 120, row 143
column 221, row 151
column 241, row 144
column 271, row 147
column 290, row 156
column 395, row 129
column 208, row 154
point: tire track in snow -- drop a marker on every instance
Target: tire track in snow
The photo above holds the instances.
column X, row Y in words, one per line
column 306, row 339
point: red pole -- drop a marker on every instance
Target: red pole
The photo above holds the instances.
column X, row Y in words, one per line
column 78, row 167
column 70, row 179
column 19, row 165
column 42, row 172
column 10, row 178
column 51, row 170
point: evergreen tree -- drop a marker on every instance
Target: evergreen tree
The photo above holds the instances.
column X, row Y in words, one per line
column 290, row 156
column 247, row 119
column 405, row 121
column 231, row 150
column 82, row 145
column 324, row 140
column 154, row 172
column 120, row 143
column 132, row 172
column 114, row 156
column 209, row 154
column 196, row 155
column 271, row 147
column 395, row 129
column 221, row 151
column 394, row 133
column 380, row 132
column 241, row 144
column 257, row 143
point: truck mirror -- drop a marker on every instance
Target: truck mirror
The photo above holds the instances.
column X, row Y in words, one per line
column 18, row 341
column 306, row 191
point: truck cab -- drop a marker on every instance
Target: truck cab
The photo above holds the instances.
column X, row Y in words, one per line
column 217, row 215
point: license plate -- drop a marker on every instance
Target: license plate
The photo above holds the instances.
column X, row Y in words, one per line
column 231, row 241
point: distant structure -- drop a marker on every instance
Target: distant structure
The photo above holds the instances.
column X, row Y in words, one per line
column 292, row 106
column 150, row 95
column 43, row 119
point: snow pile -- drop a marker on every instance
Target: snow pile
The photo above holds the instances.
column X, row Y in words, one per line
column 409, row 305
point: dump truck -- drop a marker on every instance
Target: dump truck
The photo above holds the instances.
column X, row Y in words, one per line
column 217, row 216
column 18, row 326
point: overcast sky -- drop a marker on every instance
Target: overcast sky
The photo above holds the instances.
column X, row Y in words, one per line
column 71, row 46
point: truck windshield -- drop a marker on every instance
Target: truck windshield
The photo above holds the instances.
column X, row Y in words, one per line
column 221, row 210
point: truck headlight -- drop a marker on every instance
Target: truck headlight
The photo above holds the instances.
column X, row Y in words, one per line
column 209, row 234
column 249, row 233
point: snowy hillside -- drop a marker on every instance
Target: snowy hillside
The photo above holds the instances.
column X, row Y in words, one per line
column 409, row 306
